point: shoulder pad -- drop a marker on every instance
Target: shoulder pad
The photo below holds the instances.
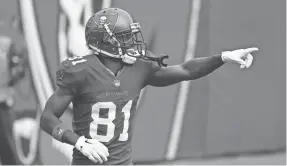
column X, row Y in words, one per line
column 71, row 73
column 74, row 64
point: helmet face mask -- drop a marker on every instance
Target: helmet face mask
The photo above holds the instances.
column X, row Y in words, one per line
column 132, row 42
column 112, row 32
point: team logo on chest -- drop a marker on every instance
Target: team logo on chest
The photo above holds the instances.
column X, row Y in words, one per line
column 117, row 83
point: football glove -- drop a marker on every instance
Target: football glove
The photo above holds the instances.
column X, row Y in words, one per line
column 93, row 149
column 242, row 57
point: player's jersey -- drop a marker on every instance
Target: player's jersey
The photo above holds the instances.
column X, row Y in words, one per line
column 105, row 105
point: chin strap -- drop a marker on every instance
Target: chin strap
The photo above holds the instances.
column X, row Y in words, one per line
column 159, row 59
column 130, row 60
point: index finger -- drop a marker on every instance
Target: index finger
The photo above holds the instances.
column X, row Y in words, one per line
column 252, row 49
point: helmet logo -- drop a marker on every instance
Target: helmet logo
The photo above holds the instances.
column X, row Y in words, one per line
column 103, row 21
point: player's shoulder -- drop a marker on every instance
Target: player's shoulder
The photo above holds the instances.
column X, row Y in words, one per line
column 74, row 64
column 73, row 69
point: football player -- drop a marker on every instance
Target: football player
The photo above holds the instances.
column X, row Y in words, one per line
column 104, row 87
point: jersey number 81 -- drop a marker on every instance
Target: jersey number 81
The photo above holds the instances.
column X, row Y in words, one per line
column 109, row 121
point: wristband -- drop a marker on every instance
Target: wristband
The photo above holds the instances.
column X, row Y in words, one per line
column 58, row 132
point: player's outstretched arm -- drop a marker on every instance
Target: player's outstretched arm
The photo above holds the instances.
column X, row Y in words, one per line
column 200, row 67
column 190, row 70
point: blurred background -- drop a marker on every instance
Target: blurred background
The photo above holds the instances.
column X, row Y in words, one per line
column 228, row 117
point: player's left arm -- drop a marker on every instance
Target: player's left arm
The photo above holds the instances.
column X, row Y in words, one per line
column 199, row 67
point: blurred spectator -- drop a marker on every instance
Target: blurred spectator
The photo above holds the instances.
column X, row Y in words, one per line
column 12, row 69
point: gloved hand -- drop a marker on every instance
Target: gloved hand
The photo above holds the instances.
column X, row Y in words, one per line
column 93, row 149
column 242, row 57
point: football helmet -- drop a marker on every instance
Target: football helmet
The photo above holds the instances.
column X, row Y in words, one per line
column 114, row 33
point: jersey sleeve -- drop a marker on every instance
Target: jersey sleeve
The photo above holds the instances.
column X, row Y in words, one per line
column 70, row 77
